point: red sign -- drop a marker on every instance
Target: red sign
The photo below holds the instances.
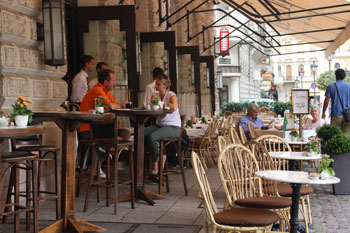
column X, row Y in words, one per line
column 225, row 41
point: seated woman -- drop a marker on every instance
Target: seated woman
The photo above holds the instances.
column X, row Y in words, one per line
column 168, row 126
column 316, row 120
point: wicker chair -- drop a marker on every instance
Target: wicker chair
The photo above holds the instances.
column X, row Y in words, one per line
column 227, row 113
column 231, row 220
column 280, row 189
column 235, row 137
column 241, row 134
column 237, row 167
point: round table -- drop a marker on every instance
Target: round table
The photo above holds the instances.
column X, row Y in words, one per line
column 293, row 157
column 296, row 179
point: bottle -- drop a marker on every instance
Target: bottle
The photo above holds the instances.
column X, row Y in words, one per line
column 285, row 123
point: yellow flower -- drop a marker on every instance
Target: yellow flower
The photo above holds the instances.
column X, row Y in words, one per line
column 21, row 97
column 29, row 101
column 26, row 103
column 21, row 105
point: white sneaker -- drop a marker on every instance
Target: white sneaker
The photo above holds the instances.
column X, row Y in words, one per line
column 102, row 174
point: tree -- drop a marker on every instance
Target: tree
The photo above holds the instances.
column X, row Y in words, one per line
column 323, row 80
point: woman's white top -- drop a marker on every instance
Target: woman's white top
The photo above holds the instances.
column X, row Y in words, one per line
column 309, row 125
column 170, row 119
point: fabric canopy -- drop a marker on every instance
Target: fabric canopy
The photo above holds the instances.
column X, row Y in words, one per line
column 324, row 23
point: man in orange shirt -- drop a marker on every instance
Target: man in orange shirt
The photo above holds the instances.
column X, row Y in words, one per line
column 106, row 82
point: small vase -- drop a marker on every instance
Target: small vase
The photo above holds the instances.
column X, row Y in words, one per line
column 156, row 107
column 21, row 120
column 293, row 139
column 100, row 110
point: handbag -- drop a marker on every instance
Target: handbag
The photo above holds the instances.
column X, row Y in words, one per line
column 346, row 111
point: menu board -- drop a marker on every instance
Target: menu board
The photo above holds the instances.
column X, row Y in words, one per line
column 300, row 101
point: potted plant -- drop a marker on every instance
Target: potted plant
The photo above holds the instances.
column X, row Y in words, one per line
column 294, row 134
column 100, row 107
column 339, row 149
column 20, row 113
column 325, row 169
column 189, row 124
column 325, row 133
column 155, row 103
column 313, row 146
column 203, row 120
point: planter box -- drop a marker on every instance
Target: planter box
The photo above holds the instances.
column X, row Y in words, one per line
column 341, row 166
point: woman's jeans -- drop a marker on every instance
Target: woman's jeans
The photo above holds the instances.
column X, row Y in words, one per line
column 154, row 133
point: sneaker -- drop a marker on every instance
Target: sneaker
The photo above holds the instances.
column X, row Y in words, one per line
column 102, row 174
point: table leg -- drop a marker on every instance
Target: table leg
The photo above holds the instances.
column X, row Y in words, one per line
column 140, row 191
column 294, row 222
column 69, row 223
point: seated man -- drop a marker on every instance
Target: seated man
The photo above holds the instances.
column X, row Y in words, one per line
column 252, row 116
column 106, row 82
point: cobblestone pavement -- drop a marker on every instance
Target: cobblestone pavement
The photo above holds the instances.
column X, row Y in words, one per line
column 330, row 213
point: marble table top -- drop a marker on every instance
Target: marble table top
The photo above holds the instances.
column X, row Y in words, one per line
column 294, row 155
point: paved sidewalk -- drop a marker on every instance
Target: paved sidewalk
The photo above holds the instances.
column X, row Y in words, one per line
column 330, row 213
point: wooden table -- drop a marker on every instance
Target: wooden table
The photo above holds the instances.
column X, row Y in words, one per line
column 7, row 132
column 296, row 179
column 139, row 117
column 69, row 122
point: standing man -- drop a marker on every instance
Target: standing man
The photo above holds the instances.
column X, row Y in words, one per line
column 79, row 83
column 99, row 67
column 337, row 110
column 151, row 88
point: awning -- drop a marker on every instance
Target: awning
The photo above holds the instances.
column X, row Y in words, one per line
column 325, row 24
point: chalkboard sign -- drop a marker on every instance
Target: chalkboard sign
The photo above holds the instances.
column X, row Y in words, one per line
column 300, row 101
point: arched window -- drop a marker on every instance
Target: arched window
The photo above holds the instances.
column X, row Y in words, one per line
column 289, row 72
column 279, row 71
column 336, row 66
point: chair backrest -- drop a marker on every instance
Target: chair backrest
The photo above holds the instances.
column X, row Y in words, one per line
column 265, row 162
column 252, row 131
column 222, row 143
column 234, row 136
column 227, row 113
column 237, row 167
column 241, row 134
column 226, row 133
column 208, row 199
column 274, row 143
column 264, row 109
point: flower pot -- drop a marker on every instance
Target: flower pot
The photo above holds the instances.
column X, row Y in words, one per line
column 293, row 139
column 100, row 110
column 21, row 120
column 341, row 166
column 156, row 107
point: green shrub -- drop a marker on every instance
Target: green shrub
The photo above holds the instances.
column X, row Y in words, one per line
column 280, row 107
column 277, row 107
column 326, row 132
column 337, row 144
column 233, row 107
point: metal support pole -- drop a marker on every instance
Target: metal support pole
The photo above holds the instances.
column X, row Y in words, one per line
column 330, row 81
column 315, row 89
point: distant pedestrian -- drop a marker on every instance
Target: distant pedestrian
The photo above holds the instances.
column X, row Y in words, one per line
column 337, row 109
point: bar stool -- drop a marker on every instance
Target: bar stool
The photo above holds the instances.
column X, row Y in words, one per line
column 43, row 152
column 180, row 157
column 21, row 160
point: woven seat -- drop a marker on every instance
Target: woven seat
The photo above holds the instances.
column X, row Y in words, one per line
column 246, row 217
column 265, row 202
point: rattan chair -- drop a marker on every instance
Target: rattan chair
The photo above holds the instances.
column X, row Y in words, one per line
column 227, row 113
column 241, row 134
column 276, row 188
column 237, row 167
column 235, row 137
column 231, row 220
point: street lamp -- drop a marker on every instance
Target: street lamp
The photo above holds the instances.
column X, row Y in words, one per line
column 301, row 75
column 314, row 68
column 296, row 82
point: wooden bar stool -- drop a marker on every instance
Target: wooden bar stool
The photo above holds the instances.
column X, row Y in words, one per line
column 118, row 147
column 180, row 157
column 44, row 155
column 21, row 160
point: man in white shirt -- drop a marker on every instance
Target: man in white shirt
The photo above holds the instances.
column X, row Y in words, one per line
column 99, row 67
column 151, row 88
column 79, row 83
